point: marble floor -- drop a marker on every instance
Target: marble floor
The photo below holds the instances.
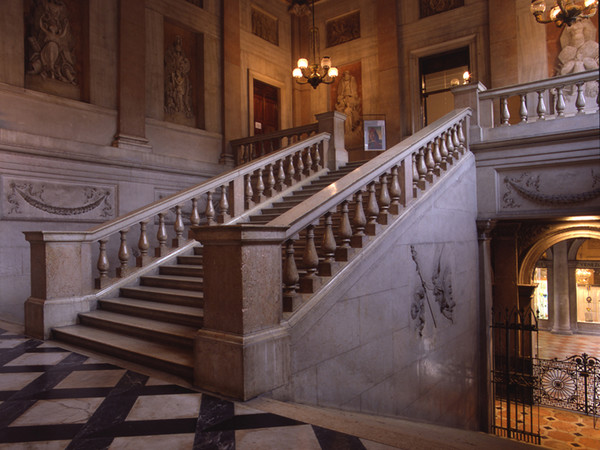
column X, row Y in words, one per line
column 562, row 346
column 52, row 397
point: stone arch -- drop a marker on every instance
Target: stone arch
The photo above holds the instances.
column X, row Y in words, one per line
column 553, row 236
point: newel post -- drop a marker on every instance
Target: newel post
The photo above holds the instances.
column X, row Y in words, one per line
column 61, row 275
column 467, row 96
column 242, row 350
column 332, row 122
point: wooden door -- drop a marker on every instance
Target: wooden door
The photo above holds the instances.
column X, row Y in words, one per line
column 266, row 108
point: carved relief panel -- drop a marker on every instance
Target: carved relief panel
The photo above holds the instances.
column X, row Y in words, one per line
column 343, row 29
column 547, row 189
column 183, row 70
column 431, row 7
column 41, row 199
column 346, row 97
column 265, row 26
column 55, row 42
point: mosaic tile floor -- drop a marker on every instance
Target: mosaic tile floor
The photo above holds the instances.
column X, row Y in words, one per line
column 52, row 398
column 561, row 346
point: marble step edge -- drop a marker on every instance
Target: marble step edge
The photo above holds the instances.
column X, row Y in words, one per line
column 151, row 329
column 165, row 312
column 182, row 297
column 168, row 358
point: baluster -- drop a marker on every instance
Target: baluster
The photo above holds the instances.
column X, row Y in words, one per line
column 437, row 157
column 455, row 142
column 310, row 260
column 316, row 158
column 328, row 245
column 124, row 255
column 449, row 146
column 248, row 192
column 395, row 192
column 541, row 107
column 504, row 113
column 429, row 162
column 269, row 191
column 289, row 180
column 194, row 215
column 308, row 162
column 461, row 137
column 384, row 200
column 299, row 165
column 280, row 178
column 102, row 265
column 345, row 234
column 523, row 110
column 421, row 169
column 161, row 237
column 178, row 241
column 415, row 173
column 290, row 278
column 372, row 210
column 259, row 187
column 443, row 152
column 223, row 205
column 560, row 102
column 580, row 102
column 359, row 221
column 143, row 245
column 209, row 212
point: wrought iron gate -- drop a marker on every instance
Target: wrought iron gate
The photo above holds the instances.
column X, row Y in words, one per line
column 573, row 383
column 514, row 378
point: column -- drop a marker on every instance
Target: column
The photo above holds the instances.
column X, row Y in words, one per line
column 131, row 126
column 562, row 316
column 485, row 406
column 242, row 350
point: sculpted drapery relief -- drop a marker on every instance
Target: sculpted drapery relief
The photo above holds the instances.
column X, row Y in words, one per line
column 348, row 100
column 50, row 42
column 178, row 88
column 343, row 29
column 579, row 52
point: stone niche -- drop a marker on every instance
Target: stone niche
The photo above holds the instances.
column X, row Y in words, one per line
column 346, row 97
column 56, row 47
column 183, row 76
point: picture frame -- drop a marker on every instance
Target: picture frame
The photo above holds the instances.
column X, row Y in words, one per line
column 374, row 135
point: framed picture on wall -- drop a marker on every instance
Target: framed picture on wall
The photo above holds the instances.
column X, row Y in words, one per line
column 374, row 135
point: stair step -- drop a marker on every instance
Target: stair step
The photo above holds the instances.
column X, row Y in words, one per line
column 165, row 295
column 160, row 356
column 187, row 270
column 183, row 315
column 173, row 282
column 153, row 330
column 194, row 260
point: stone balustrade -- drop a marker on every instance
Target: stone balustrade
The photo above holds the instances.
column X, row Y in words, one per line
column 62, row 262
column 329, row 228
column 250, row 148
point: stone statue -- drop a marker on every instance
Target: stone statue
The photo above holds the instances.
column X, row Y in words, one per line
column 178, row 88
column 579, row 53
column 50, row 42
column 348, row 102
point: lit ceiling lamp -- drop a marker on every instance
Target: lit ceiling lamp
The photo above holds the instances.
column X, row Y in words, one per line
column 564, row 11
column 314, row 74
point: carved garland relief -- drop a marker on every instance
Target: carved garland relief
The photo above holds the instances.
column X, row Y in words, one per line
column 33, row 200
column 537, row 189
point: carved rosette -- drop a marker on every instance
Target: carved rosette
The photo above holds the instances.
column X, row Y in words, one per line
column 46, row 199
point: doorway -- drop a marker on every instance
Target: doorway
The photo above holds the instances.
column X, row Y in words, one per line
column 438, row 74
column 266, row 108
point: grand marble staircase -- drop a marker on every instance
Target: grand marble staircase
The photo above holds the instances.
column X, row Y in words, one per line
column 154, row 322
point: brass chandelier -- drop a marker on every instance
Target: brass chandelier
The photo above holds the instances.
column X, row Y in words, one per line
column 564, row 11
column 313, row 73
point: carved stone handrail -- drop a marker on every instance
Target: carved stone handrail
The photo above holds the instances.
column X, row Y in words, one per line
column 250, row 148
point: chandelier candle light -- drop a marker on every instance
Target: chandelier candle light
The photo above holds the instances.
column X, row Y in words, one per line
column 314, row 74
column 564, row 11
